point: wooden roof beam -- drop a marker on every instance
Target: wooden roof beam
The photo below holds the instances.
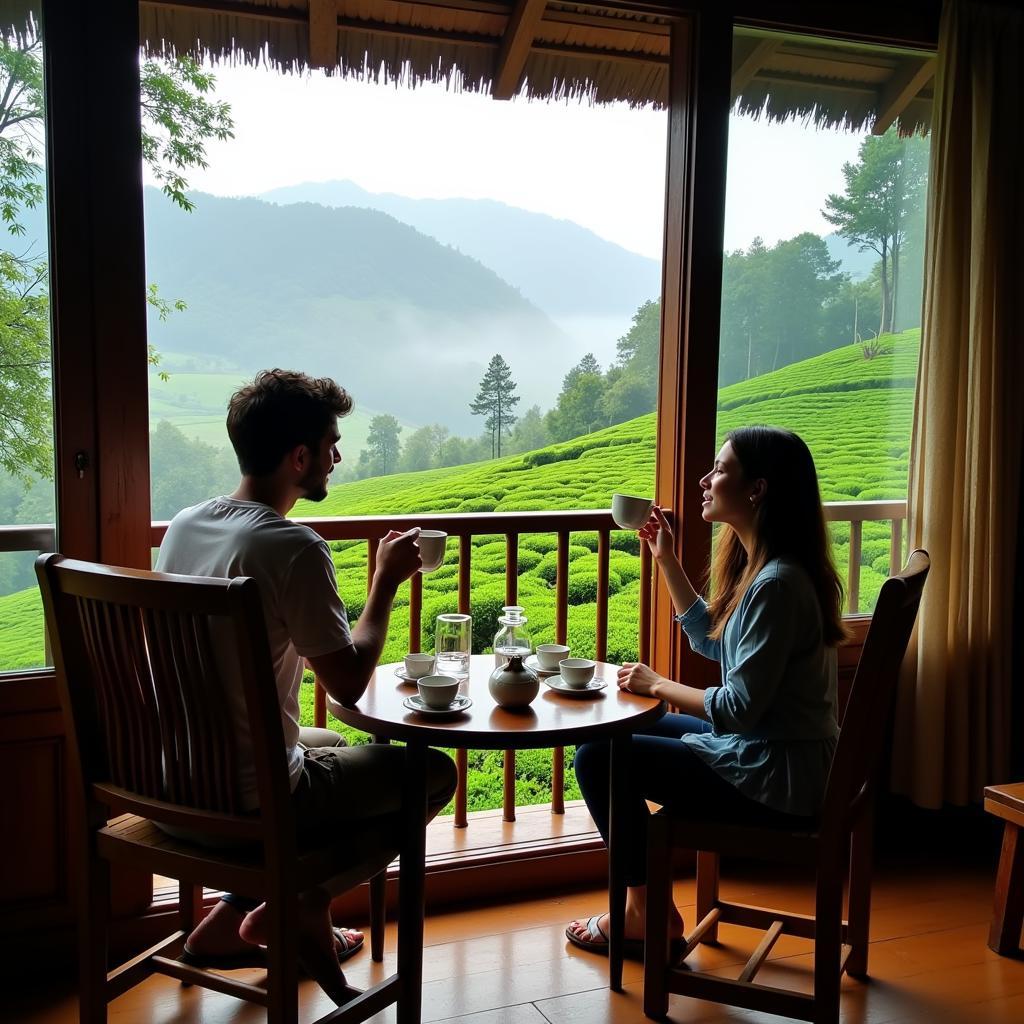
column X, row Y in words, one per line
column 752, row 63
column 323, row 34
column 906, row 82
column 515, row 47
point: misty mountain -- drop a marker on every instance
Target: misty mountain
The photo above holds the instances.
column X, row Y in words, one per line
column 404, row 322
column 563, row 268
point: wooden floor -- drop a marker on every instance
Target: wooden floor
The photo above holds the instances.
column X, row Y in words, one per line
column 511, row 964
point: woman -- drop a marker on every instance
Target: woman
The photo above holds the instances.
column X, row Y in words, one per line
column 757, row 747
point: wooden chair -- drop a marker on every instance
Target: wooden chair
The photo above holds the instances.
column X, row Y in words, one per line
column 151, row 739
column 840, row 841
column 1007, row 802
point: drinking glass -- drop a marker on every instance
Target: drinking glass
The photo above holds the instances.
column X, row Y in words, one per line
column 453, row 641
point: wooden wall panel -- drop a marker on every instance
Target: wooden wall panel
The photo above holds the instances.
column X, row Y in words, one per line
column 32, row 820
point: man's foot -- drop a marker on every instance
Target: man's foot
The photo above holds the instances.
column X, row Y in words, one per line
column 216, row 937
column 216, row 943
column 317, row 942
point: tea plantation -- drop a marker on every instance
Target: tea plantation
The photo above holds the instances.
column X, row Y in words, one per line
column 855, row 413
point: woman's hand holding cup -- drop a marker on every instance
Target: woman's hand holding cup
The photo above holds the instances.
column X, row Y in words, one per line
column 657, row 531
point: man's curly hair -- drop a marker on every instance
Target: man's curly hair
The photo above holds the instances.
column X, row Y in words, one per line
column 278, row 411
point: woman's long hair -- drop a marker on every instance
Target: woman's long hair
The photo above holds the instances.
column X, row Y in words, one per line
column 790, row 522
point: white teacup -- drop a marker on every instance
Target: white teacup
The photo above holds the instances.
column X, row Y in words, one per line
column 438, row 691
column 418, row 665
column 577, row 672
column 432, row 545
column 631, row 512
column 549, row 655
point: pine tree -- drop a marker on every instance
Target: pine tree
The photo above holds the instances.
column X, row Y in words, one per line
column 495, row 400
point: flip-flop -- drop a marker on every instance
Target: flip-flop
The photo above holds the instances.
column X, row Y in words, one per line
column 594, row 940
column 256, row 956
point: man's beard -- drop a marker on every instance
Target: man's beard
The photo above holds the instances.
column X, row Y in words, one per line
column 314, row 485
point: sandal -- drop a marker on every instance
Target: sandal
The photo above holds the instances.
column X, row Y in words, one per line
column 595, row 940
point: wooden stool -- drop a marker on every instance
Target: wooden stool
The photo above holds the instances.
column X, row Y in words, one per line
column 1007, row 802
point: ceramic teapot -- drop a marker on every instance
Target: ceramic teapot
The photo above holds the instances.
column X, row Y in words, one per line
column 512, row 684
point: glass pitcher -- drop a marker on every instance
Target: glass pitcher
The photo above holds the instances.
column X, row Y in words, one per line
column 512, row 636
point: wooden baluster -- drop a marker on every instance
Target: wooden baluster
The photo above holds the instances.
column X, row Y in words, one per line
column 461, row 819
column 853, row 567
column 415, row 612
column 646, row 586
column 561, row 632
column 508, row 794
column 562, row 588
column 601, row 625
column 896, row 547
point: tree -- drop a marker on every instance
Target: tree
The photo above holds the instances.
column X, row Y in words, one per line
column 178, row 119
column 579, row 409
column 883, row 190
column 382, row 444
column 530, row 433
column 186, row 470
column 422, row 448
column 496, row 399
column 632, row 385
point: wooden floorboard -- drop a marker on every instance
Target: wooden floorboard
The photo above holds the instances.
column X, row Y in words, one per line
column 511, row 964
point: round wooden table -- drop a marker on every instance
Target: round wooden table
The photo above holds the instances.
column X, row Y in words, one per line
column 552, row 720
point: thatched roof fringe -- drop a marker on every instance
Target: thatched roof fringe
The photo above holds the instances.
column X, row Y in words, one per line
column 825, row 106
column 589, row 55
column 19, row 21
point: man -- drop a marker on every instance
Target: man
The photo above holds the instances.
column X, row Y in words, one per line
column 284, row 430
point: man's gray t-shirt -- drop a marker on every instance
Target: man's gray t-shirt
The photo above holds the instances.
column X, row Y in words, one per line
column 305, row 616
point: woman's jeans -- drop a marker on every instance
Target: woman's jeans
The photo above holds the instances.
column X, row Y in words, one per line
column 666, row 771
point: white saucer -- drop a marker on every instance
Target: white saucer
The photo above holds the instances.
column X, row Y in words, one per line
column 559, row 685
column 406, row 678
column 533, row 663
column 460, row 704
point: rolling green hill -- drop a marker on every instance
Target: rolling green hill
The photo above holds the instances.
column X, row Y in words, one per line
column 196, row 403
column 854, row 413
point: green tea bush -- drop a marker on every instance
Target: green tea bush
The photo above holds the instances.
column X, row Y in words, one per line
column 548, row 565
column 539, row 542
column 583, row 586
column 629, row 542
column 485, row 503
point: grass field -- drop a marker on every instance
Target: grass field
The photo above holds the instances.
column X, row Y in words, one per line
column 854, row 413
column 196, row 403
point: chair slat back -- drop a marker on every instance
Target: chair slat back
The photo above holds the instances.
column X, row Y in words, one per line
column 869, row 708
column 142, row 689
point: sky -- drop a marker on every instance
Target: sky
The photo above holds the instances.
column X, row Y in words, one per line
column 600, row 166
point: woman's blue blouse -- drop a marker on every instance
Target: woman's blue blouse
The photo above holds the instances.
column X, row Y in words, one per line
column 773, row 717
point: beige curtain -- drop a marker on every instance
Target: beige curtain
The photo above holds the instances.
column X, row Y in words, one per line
column 953, row 719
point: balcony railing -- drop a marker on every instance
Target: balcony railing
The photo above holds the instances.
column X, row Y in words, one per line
column 513, row 525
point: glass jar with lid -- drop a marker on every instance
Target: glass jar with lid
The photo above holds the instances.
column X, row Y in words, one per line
column 512, row 636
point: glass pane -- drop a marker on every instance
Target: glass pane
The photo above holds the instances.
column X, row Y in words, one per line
column 823, row 277
column 483, row 277
column 26, row 399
